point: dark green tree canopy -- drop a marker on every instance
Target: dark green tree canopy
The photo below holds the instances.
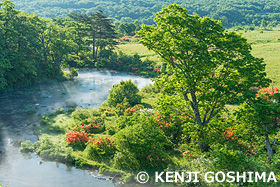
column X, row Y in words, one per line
column 231, row 13
column 100, row 30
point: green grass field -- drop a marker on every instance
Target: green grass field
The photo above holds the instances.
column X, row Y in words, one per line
column 133, row 48
column 265, row 44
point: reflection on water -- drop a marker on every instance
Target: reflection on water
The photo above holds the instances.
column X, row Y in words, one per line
column 20, row 111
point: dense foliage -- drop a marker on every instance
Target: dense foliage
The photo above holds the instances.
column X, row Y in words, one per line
column 231, row 13
column 125, row 91
column 208, row 66
column 32, row 48
column 182, row 122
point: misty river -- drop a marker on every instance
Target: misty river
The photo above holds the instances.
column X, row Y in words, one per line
column 21, row 110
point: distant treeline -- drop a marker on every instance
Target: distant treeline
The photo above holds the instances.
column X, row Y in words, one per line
column 231, row 13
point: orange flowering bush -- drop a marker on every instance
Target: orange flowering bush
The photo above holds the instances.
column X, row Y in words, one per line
column 76, row 137
column 268, row 93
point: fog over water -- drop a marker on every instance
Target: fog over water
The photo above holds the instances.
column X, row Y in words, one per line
column 18, row 117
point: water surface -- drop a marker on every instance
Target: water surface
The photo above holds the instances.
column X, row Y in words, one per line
column 20, row 111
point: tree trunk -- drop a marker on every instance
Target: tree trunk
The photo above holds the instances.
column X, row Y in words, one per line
column 268, row 147
column 204, row 147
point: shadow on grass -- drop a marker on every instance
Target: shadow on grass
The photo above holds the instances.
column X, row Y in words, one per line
column 146, row 105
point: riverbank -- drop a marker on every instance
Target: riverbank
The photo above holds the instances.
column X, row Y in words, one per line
column 21, row 111
column 53, row 128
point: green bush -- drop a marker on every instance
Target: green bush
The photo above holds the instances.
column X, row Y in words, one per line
column 126, row 89
column 146, row 144
column 26, row 147
column 227, row 159
column 45, row 121
column 73, row 73
column 100, row 149
column 81, row 115
column 51, row 151
column 151, row 88
column 111, row 130
column 60, row 111
column 70, row 110
column 125, row 121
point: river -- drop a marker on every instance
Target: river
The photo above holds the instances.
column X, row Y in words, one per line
column 20, row 111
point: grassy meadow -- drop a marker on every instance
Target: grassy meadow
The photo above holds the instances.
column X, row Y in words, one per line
column 265, row 44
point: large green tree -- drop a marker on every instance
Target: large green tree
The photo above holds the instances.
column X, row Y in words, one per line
column 209, row 66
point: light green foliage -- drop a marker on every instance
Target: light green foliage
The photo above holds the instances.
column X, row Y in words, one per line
column 208, row 66
column 133, row 48
column 144, row 145
column 48, row 150
column 102, row 150
column 126, row 89
column 45, row 120
column 229, row 159
column 26, row 147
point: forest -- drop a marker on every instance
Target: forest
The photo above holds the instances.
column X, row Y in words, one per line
column 35, row 49
column 211, row 106
column 231, row 13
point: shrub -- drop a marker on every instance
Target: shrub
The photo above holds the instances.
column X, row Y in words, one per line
column 100, row 148
column 151, row 88
column 81, row 115
column 126, row 89
column 60, row 111
column 95, row 127
column 77, row 139
column 111, row 130
column 124, row 121
column 145, row 142
column 26, row 147
column 71, row 110
column 229, row 159
column 50, row 151
column 73, row 73
column 45, row 120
